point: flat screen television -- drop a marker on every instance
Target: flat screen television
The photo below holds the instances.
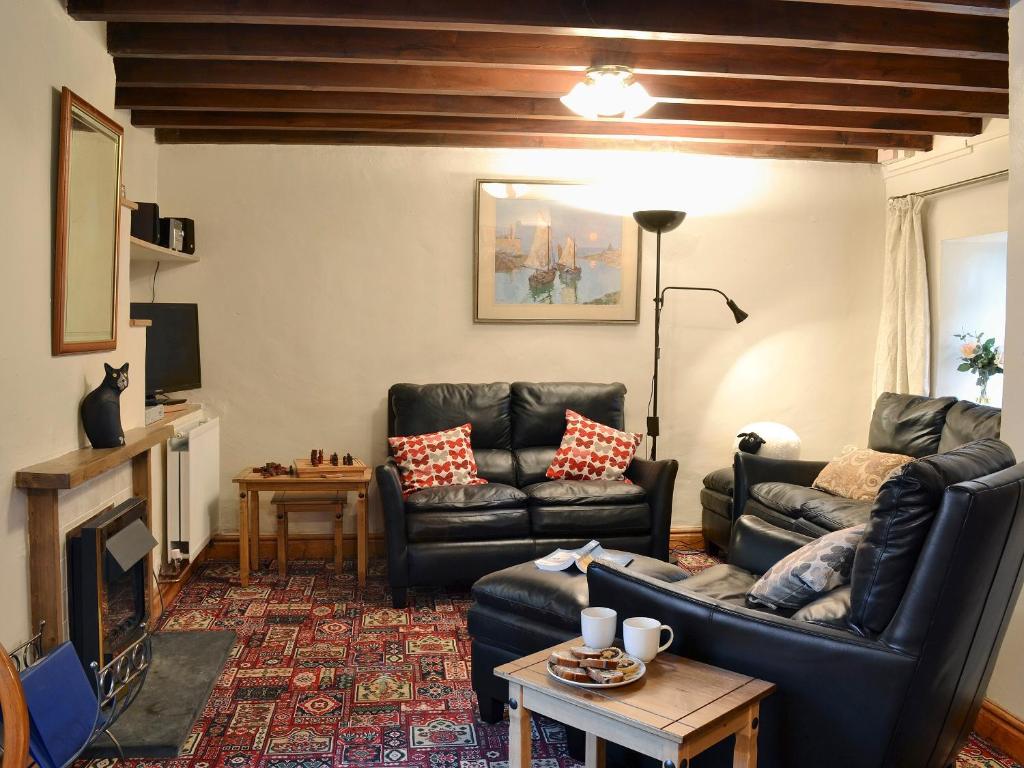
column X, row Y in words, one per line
column 172, row 348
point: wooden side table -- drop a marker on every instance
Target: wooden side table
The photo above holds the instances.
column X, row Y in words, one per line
column 251, row 484
column 679, row 709
column 288, row 502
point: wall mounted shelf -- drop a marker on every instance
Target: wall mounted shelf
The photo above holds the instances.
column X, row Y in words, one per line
column 142, row 250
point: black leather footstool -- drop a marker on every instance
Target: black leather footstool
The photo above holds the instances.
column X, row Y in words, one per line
column 522, row 610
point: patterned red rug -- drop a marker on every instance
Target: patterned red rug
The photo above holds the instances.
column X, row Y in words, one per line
column 325, row 674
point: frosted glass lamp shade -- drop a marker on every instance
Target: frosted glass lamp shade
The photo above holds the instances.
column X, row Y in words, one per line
column 780, row 442
column 608, row 91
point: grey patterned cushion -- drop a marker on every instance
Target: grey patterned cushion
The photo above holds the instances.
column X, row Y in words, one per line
column 811, row 571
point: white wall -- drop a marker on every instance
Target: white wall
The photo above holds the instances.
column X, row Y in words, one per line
column 1007, row 686
column 41, row 49
column 329, row 273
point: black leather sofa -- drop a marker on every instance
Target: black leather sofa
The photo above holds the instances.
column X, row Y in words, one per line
column 887, row 672
column 780, row 492
column 455, row 534
column 858, row 684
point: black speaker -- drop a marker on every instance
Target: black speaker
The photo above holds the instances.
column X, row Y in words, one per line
column 189, row 242
column 146, row 222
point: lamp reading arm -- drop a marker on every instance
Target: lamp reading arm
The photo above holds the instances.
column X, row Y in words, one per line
column 737, row 313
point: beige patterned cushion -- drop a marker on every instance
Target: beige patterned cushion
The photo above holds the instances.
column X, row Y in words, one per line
column 859, row 474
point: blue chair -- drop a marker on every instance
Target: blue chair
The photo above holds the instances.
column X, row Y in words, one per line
column 68, row 711
column 63, row 709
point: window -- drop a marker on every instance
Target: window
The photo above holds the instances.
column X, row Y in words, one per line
column 971, row 299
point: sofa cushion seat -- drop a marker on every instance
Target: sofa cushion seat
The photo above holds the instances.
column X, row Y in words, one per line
column 832, row 513
column 467, row 525
column 558, row 493
column 466, row 513
column 727, row 583
column 465, row 497
column 786, row 497
column 594, row 521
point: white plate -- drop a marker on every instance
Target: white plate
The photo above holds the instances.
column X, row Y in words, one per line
column 633, row 679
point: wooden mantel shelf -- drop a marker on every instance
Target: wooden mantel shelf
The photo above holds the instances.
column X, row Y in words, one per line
column 74, row 468
column 42, row 483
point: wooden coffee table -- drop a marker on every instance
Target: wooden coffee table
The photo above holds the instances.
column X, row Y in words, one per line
column 676, row 711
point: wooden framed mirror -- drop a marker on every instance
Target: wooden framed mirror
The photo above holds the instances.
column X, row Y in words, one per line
column 88, row 216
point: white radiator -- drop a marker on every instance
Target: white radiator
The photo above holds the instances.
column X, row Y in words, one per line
column 193, row 486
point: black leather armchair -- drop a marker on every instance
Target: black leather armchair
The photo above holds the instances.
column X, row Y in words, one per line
column 456, row 534
column 889, row 671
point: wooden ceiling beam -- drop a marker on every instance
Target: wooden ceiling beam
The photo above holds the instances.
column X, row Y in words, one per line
column 248, row 100
column 291, row 75
column 998, row 8
column 853, row 27
column 578, row 128
column 214, row 136
column 495, row 49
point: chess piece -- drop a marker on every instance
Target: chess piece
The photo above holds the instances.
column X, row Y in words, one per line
column 334, row 459
column 312, row 457
column 349, row 461
column 271, row 469
column 320, row 457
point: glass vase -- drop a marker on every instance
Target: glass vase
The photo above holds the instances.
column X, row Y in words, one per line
column 983, row 394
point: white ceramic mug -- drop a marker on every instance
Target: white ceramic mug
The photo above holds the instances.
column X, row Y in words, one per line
column 641, row 636
column 598, row 626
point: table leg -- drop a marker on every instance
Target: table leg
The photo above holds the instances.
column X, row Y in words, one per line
column 745, row 754
column 595, row 751
column 243, row 537
column 282, row 540
column 254, row 529
column 518, row 729
column 362, row 534
column 339, row 553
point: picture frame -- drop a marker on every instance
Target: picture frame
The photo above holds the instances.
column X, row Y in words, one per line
column 87, row 236
column 551, row 252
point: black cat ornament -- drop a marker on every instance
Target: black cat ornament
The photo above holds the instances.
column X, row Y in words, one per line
column 101, row 409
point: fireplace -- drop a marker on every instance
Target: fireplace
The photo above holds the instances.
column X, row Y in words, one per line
column 107, row 575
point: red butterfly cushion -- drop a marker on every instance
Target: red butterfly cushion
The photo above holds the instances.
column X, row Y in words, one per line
column 437, row 458
column 592, row 451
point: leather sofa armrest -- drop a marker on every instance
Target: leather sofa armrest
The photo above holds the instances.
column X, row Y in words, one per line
column 757, row 545
column 750, row 469
column 822, row 674
column 658, row 479
column 389, row 486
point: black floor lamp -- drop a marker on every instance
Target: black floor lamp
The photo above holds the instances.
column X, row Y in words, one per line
column 659, row 222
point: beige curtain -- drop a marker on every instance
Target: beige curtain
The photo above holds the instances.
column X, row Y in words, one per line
column 904, row 338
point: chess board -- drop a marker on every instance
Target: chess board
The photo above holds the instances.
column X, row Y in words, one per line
column 305, row 468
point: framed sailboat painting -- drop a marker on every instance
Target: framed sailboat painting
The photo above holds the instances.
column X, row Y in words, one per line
column 552, row 252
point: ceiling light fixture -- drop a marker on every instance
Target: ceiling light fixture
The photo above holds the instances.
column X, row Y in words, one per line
column 609, row 91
